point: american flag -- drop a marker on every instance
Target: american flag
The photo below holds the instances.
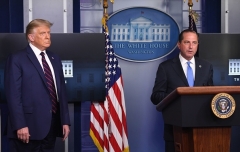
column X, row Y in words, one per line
column 108, row 126
column 192, row 24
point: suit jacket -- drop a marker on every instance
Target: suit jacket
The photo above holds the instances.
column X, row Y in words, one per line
column 27, row 95
column 170, row 75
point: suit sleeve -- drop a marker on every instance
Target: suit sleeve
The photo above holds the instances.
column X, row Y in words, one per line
column 160, row 86
column 210, row 76
column 13, row 86
column 64, row 112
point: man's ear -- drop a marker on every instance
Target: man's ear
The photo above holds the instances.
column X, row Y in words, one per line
column 178, row 44
column 31, row 37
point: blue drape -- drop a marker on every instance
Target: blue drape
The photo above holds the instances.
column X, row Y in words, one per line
column 11, row 16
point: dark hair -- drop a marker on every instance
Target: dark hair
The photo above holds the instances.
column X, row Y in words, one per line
column 36, row 23
column 180, row 37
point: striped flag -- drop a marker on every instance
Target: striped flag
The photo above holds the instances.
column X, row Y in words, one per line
column 192, row 26
column 108, row 126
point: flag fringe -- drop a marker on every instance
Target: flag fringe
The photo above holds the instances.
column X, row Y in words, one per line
column 114, row 115
column 96, row 142
column 126, row 149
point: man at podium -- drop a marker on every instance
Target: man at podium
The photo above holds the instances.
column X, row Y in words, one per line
column 181, row 71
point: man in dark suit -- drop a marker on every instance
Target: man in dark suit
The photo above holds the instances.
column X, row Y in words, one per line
column 173, row 73
column 36, row 94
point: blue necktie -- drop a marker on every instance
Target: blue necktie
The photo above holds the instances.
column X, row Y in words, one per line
column 190, row 75
column 50, row 82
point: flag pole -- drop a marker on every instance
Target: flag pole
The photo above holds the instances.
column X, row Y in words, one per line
column 105, row 14
column 190, row 5
column 193, row 19
column 108, row 127
column 192, row 13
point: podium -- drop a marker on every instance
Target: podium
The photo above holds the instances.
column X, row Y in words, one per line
column 195, row 126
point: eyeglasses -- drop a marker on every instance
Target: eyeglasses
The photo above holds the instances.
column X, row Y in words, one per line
column 194, row 43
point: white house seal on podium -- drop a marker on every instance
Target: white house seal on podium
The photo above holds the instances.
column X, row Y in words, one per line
column 223, row 105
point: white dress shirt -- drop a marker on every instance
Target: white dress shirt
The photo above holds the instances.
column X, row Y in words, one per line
column 185, row 65
column 39, row 57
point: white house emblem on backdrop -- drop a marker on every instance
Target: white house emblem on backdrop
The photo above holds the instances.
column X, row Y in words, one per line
column 67, row 66
column 141, row 30
column 234, row 67
column 142, row 34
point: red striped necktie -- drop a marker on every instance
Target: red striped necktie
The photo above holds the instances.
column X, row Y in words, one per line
column 50, row 82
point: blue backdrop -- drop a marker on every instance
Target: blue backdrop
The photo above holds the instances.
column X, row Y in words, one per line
column 141, row 133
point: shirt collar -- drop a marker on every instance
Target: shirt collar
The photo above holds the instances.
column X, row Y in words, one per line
column 36, row 50
column 183, row 60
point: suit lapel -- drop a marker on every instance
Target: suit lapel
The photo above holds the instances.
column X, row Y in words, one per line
column 198, row 72
column 176, row 64
column 36, row 63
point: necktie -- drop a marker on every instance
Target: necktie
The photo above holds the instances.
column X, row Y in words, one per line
column 190, row 75
column 50, row 82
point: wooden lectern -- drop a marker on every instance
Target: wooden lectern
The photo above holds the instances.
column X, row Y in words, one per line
column 196, row 128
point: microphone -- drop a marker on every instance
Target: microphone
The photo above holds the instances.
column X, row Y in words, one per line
column 207, row 84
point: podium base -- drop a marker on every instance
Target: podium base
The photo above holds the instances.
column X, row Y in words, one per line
column 207, row 139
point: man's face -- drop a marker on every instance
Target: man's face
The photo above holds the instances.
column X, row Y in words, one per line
column 188, row 46
column 40, row 37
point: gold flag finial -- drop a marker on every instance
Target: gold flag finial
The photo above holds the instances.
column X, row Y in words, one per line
column 189, row 1
column 191, row 12
column 190, row 4
column 105, row 14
